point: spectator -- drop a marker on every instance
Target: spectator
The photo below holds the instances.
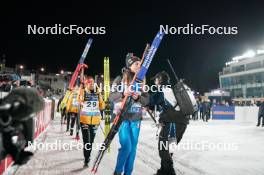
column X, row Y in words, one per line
column 206, row 110
column 261, row 113
column 210, row 103
column 253, row 103
column 223, row 103
column 214, row 103
column 63, row 112
column 195, row 114
column 201, row 108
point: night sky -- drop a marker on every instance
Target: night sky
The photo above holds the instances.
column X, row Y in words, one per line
column 129, row 26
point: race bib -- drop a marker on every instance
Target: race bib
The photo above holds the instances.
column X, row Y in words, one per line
column 75, row 102
column 91, row 106
column 135, row 108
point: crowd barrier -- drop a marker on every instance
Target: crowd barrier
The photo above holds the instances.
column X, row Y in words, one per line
column 247, row 113
column 236, row 113
column 42, row 120
column 223, row 113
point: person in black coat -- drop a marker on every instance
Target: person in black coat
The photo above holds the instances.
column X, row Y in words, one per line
column 63, row 112
column 172, row 122
column 206, row 110
column 200, row 109
column 261, row 113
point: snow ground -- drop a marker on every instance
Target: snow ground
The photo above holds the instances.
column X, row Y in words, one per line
column 245, row 156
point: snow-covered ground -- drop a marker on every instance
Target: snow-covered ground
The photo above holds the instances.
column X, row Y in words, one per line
column 240, row 151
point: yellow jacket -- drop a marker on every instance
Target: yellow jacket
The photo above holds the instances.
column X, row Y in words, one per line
column 73, row 102
column 92, row 104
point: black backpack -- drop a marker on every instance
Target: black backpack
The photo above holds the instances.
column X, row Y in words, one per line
column 184, row 96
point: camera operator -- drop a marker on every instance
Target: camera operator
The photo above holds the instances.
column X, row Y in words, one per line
column 17, row 123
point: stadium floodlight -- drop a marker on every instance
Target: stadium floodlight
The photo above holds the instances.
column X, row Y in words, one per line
column 21, row 67
column 238, row 58
column 231, row 62
column 217, row 92
column 248, row 54
column 260, row 52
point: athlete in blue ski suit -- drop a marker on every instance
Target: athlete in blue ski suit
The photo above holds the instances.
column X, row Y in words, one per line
column 130, row 127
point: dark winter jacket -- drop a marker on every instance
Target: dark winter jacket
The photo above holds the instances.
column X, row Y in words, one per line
column 59, row 102
column 135, row 111
column 261, row 109
column 205, row 107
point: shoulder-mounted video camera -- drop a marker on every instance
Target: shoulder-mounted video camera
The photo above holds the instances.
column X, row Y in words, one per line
column 17, row 123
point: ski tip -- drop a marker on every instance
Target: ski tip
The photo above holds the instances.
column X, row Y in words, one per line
column 90, row 40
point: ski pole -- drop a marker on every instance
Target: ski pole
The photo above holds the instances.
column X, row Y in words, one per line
column 151, row 116
column 172, row 70
column 101, row 128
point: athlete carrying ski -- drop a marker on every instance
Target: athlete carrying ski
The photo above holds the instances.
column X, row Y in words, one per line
column 172, row 122
column 126, row 112
column 91, row 105
column 62, row 111
column 73, row 108
column 130, row 127
column 63, row 107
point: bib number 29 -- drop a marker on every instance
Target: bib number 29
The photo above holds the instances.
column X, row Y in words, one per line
column 91, row 104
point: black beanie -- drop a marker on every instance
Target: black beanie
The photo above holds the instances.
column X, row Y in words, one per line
column 130, row 59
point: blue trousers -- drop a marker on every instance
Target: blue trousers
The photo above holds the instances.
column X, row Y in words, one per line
column 128, row 138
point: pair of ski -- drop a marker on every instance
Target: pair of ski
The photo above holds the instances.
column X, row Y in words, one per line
column 146, row 60
column 80, row 67
column 79, row 72
column 107, row 110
